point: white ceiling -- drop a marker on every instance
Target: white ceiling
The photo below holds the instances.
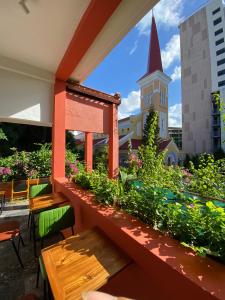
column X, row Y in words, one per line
column 41, row 37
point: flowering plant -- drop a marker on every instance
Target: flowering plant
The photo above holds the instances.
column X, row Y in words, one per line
column 71, row 168
column 5, row 173
column 134, row 163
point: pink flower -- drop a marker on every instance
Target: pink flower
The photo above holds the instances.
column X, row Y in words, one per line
column 139, row 163
column 74, row 168
column 5, row 171
column 133, row 157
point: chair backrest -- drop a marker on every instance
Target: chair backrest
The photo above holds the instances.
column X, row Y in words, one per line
column 40, row 189
column 54, row 220
column 44, row 180
column 19, row 186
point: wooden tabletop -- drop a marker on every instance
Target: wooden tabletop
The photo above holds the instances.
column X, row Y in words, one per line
column 2, row 193
column 38, row 203
column 81, row 263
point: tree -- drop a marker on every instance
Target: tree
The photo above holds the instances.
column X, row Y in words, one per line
column 152, row 117
column 221, row 106
column 2, row 135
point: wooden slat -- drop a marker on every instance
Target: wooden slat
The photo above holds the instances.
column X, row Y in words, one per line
column 81, row 263
column 46, row 201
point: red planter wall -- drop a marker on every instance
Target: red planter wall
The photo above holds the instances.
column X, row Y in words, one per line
column 7, row 187
column 161, row 268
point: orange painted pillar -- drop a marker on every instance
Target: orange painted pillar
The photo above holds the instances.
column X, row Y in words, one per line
column 89, row 151
column 113, row 142
column 58, row 130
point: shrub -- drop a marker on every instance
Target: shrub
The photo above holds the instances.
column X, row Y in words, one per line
column 208, row 179
column 35, row 164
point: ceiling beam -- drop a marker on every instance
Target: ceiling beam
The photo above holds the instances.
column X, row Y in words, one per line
column 92, row 22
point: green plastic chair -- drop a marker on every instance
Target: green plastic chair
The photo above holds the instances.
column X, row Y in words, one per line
column 54, row 220
column 51, row 222
column 39, row 190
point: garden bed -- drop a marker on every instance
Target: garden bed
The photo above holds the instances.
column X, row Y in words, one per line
column 182, row 273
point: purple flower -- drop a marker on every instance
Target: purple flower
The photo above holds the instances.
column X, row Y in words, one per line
column 32, row 173
column 5, row 171
column 1, row 170
column 139, row 163
column 74, row 168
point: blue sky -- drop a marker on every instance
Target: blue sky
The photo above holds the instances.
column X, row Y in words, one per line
column 127, row 62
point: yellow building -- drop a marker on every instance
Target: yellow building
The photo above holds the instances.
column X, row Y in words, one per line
column 154, row 93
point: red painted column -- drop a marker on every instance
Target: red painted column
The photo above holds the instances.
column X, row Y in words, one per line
column 58, row 130
column 113, row 142
column 89, row 151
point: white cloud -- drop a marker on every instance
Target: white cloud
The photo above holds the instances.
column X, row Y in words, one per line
column 171, row 52
column 176, row 73
column 167, row 13
column 175, row 115
column 134, row 48
column 129, row 104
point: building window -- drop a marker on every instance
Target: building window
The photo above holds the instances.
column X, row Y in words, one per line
column 221, row 51
column 220, row 73
column 218, row 31
column 221, row 62
column 162, row 98
column 220, row 41
column 217, row 21
column 221, row 83
column 216, row 11
column 147, row 99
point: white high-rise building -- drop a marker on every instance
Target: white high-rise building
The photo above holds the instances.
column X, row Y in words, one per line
column 203, row 73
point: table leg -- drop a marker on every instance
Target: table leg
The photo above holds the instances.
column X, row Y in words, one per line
column 34, row 233
column 17, row 253
column 2, row 202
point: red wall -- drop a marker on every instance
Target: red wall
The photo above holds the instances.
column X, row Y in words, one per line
column 86, row 115
column 161, row 268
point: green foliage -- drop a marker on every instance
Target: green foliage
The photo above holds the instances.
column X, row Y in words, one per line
column 106, row 190
column 153, row 172
column 28, row 137
column 23, row 137
column 208, row 179
column 151, row 121
column 197, row 225
column 220, row 104
column 34, row 164
column 40, row 161
column 100, row 160
column 124, row 178
column 2, row 135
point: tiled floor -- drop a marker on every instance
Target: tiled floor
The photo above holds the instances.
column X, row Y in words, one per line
column 15, row 281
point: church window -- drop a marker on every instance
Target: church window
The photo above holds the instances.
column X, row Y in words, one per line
column 147, row 99
column 162, row 98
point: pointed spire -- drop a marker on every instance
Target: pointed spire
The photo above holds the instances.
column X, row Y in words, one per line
column 154, row 55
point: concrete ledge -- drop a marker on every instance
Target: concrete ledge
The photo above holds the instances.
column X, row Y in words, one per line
column 173, row 272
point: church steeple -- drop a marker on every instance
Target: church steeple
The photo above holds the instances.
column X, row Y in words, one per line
column 154, row 55
column 154, row 84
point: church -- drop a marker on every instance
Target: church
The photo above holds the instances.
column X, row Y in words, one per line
column 154, row 93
